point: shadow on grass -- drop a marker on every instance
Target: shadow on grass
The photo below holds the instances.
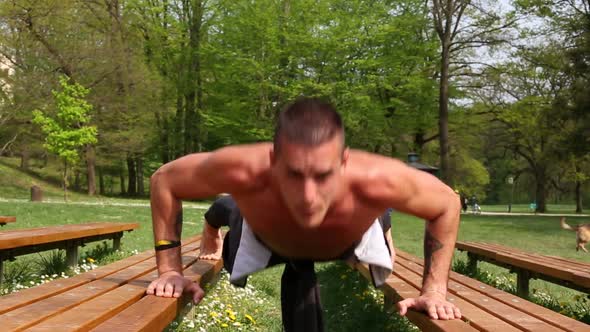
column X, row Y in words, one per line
column 351, row 303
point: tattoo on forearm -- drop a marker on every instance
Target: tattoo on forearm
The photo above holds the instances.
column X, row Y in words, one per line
column 179, row 223
column 431, row 245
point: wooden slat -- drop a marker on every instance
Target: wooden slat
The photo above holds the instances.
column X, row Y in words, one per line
column 27, row 296
column 510, row 317
column 534, row 264
column 6, row 219
column 36, row 236
column 398, row 290
column 34, row 313
column 566, row 264
column 92, row 313
column 527, row 264
column 154, row 313
column 532, row 309
column 22, row 298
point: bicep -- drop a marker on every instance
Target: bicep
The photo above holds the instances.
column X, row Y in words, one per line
column 202, row 175
column 415, row 192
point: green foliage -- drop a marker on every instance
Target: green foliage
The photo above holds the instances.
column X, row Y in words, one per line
column 53, row 262
column 471, row 176
column 68, row 131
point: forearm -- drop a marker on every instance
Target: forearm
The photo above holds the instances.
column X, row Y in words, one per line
column 167, row 224
column 439, row 244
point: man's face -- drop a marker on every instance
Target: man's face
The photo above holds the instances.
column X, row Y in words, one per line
column 309, row 178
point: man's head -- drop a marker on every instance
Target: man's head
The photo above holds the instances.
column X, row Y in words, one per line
column 308, row 158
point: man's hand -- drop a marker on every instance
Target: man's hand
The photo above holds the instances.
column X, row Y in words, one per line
column 434, row 303
column 172, row 284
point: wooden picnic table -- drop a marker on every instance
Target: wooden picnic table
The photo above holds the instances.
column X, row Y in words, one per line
column 483, row 307
column 109, row 298
column 559, row 270
column 68, row 237
column 6, row 219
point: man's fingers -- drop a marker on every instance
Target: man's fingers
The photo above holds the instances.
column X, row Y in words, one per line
column 151, row 288
column 403, row 306
column 198, row 295
column 432, row 312
column 441, row 312
column 197, row 291
column 457, row 312
column 160, row 288
column 169, row 289
column 449, row 311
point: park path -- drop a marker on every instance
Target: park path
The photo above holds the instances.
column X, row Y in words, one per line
column 185, row 205
column 204, row 206
column 483, row 213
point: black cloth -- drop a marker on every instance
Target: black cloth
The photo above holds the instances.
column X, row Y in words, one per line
column 300, row 293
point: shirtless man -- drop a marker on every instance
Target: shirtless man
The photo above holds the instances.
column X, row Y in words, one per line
column 307, row 196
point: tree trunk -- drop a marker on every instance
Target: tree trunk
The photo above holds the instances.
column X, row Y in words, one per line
column 91, row 170
column 189, row 122
column 578, row 197
column 77, row 180
column 24, row 160
column 132, row 184
column 179, row 127
column 163, row 128
column 140, row 185
column 101, row 187
column 65, row 181
column 122, row 180
column 443, row 116
column 447, row 15
column 285, row 74
column 193, row 91
column 540, row 190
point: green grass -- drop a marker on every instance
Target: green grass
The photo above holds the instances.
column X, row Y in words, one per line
column 524, row 208
column 43, row 214
column 541, row 235
column 350, row 302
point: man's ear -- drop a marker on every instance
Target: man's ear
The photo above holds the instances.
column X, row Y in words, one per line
column 272, row 155
column 345, row 155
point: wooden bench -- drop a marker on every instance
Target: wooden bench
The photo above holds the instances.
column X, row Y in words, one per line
column 109, row 298
column 69, row 237
column 483, row 307
column 565, row 272
column 6, row 219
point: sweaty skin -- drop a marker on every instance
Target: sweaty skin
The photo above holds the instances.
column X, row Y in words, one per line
column 310, row 203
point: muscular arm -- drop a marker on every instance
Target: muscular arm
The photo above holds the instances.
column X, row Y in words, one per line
column 418, row 193
column 195, row 176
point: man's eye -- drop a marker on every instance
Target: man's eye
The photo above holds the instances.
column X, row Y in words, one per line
column 295, row 174
column 323, row 176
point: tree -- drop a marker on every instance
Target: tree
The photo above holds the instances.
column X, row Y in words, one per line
column 68, row 132
column 462, row 26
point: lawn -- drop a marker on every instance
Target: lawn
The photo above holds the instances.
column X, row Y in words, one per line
column 350, row 302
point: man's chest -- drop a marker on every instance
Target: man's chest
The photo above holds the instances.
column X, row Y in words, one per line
column 342, row 227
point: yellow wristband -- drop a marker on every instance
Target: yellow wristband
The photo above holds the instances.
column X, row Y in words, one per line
column 166, row 244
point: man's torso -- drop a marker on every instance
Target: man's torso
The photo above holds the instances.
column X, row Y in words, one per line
column 344, row 225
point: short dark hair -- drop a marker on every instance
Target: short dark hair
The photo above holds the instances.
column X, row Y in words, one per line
column 308, row 121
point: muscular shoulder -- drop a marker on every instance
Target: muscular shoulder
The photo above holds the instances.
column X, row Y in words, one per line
column 243, row 166
column 233, row 169
column 377, row 178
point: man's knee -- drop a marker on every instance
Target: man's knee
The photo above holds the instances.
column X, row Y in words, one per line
column 221, row 212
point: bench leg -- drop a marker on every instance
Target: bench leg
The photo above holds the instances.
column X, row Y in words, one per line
column 471, row 263
column 1, row 271
column 388, row 303
column 72, row 255
column 522, row 283
column 117, row 241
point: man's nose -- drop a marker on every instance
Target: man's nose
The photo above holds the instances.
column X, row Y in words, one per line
column 309, row 191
